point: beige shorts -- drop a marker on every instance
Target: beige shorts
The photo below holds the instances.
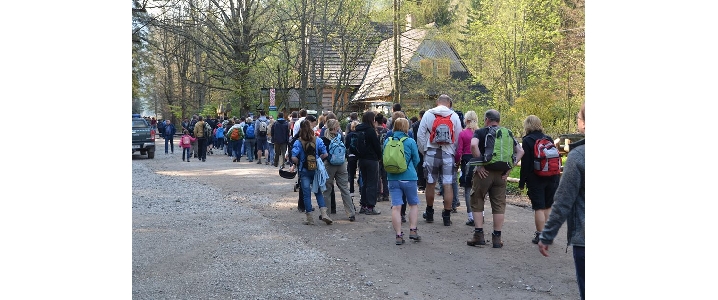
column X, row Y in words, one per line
column 494, row 186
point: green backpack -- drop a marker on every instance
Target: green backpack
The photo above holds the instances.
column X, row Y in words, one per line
column 394, row 157
column 498, row 150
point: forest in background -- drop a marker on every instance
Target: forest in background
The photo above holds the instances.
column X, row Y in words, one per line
column 195, row 56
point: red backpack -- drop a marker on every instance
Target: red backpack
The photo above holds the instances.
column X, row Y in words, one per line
column 547, row 160
column 442, row 130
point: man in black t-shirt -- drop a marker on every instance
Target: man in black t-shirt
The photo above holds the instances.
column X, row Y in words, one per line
column 491, row 181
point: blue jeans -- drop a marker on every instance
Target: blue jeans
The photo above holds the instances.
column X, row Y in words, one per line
column 270, row 156
column 249, row 148
column 306, row 178
column 233, row 148
column 399, row 188
column 171, row 143
column 579, row 259
column 186, row 153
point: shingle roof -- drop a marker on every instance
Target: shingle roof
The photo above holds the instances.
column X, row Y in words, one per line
column 416, row 44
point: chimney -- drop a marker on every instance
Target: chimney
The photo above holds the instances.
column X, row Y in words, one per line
column 409, row 21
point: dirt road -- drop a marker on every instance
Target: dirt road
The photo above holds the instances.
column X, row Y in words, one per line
column 364, row 262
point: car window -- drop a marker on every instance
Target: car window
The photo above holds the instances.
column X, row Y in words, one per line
column 139, row 123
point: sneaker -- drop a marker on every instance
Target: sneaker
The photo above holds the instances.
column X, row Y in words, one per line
column 403, row 219
column 259, row 162
column 428, row 215
column 400, row 239
column 453, row 210
column 373, row 211
column 234, row 160
column 352, row 219
column 414, row 235
column 536, row 238
column 470, row 223
column 362, row 210
column 496, row 241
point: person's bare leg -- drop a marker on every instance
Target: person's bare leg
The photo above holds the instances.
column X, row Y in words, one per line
column 448, row 196
column 413, row 215
column 396, row 218
column 539, row 219
column 478, row 219
column 498, row 221
column 430, row 193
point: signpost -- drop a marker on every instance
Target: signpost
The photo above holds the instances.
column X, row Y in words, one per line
column 272, row 105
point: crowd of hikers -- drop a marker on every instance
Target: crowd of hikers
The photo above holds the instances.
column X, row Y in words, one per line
column 396, row 158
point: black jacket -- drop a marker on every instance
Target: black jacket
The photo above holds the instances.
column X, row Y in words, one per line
column 280, row 132
column 527, row 175
column 372, row 142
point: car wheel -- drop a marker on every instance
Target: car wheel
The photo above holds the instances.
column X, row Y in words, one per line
column 151, row 154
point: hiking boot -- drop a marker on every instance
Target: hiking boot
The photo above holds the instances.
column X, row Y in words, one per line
column 325, row 217
column 400, row 239
column 352, row 219
column 372, row 211
column 536, row 238
column 234, row 160
column 453, row 210
column 477, row 239
column 259, row 161
column 414, row 235
column 446, row 215
column 470, row 223
column 496, row 241
column 403, row 218
column 428, row 215
column 310, row 220
column 266, row 163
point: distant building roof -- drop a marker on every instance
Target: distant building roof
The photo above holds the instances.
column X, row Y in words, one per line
column 416, row 44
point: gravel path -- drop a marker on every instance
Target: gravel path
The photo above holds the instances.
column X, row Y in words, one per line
column 223, row 230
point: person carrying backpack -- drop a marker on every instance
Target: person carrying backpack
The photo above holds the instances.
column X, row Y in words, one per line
column 250, row 139
column 495, row 152
column 199, row 133
column 261, row 128
column 308, row 151
column 368, row 149
column 541, row 187
column 280, row 138
column 438, row 137
column 186, row 144
column 336, row 165
column 235, row 136
column 401, row 159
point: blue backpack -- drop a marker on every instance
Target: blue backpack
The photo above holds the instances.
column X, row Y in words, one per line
column 220, row 133
column 337, row 152
column 250, row 131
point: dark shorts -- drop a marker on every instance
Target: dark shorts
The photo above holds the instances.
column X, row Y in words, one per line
column 541, row 191
column 262, row 144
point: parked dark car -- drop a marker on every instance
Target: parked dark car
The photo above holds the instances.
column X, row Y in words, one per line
column 143, row 137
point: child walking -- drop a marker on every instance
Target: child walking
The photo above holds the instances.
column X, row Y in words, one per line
column 186, row 144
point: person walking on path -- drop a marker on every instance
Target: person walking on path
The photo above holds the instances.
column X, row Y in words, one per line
column 280, row 137
column 540, row 188
column 169, row 135
column 186, row 144
column 403, row 185
column 199, row 133
column 570, row 205
column 369, row 164
column 463, row 152
column 261, row 130
column 301, row 152
column 439, row 161
column 337, row 172
column 490, row 176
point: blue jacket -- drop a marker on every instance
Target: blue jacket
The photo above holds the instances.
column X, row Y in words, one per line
column 169, row 131
column 411, row 153
column 297, row 151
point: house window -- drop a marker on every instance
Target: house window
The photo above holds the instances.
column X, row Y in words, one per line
column 426, row 67
column 443, row 69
